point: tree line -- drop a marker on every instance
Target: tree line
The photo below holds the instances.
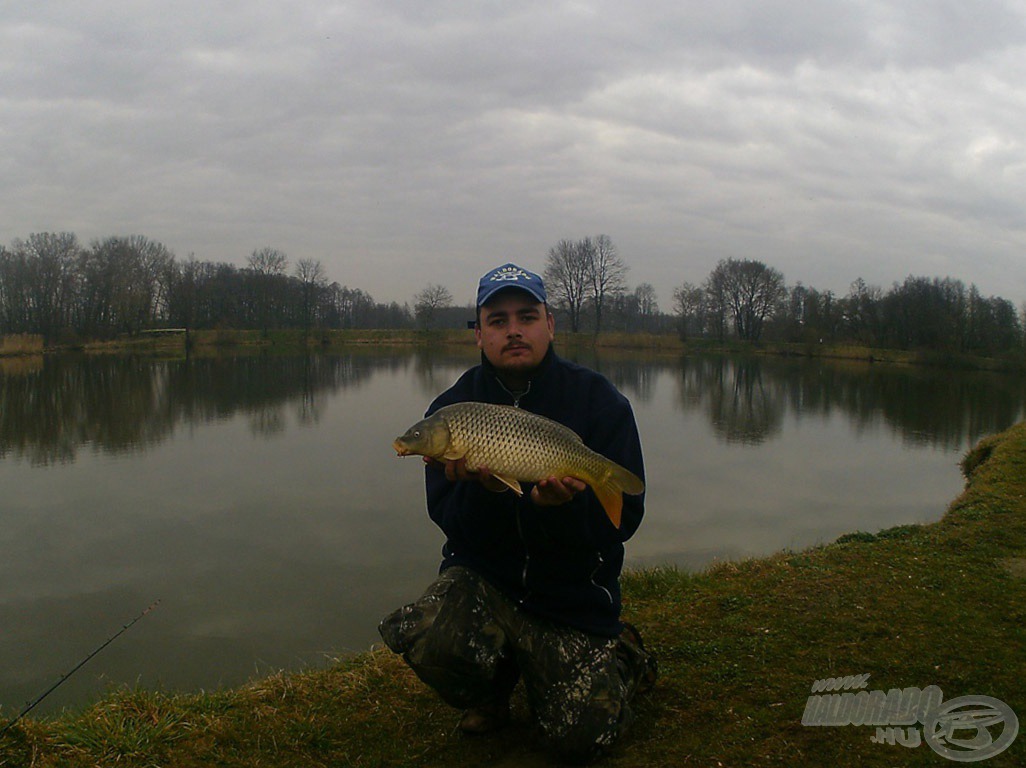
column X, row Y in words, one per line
column 53, row 285
column 748, row 300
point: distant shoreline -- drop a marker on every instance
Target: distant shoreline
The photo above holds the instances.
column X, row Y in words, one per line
column 173, row 342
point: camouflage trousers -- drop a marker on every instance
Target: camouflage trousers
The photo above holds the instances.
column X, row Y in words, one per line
column 471, row 644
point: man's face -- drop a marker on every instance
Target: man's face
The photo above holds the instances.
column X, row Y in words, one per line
column 514, row 331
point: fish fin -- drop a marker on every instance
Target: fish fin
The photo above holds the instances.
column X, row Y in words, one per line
column 609, row 491
column 611, row 500
column 510, row 482
column 452, row 455
column 627, row 481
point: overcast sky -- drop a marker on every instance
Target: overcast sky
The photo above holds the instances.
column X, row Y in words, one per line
column 407, row 143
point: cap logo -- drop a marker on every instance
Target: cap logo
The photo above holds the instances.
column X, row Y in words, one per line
column 509, row 275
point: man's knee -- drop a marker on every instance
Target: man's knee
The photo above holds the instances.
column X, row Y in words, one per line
column 581, row 726
column 407, row 627
column 450, row 640
column 445, row 646
column 584, row 736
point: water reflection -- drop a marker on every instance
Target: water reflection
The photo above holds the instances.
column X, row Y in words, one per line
column 747, row 399
column 51, row 410
column 632, row 373
column 742, row 404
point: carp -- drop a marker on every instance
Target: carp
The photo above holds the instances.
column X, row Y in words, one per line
column 516, row 445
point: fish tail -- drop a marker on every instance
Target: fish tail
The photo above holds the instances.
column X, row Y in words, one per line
column 628, row 481
column 611, row 500
column 611, row 488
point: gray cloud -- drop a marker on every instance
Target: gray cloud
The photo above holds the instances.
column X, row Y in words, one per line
column 406, row 142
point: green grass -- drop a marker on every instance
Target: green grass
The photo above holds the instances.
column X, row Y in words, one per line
column 739, row 647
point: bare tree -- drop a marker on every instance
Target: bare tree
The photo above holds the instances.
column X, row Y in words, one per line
column 863, row 306
column 689, row 304
column 608, row 274
column 14, row 290
column 123, row 284
column 567, row 272
column 350, row 307
column 183, row 296
column 268, row 285
column 748, row 290
column 310, row 272
column 51, row 259
column 648, row 305
column 689, row 307
column 268, row 261
column 716, row 303
column 312, row 279
column 588, row 270
column 427, row 303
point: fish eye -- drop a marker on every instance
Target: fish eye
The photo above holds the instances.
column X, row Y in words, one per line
column 416, row 433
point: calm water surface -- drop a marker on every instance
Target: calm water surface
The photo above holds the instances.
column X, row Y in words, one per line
column 258, row 496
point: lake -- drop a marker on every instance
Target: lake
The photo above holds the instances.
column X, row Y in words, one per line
column 258, row 496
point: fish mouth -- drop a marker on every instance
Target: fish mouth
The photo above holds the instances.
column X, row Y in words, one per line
column 400, row 449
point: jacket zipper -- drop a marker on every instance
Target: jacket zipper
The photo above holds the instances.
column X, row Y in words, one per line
column 527, row 558
column 515, row 397
column 601, row 562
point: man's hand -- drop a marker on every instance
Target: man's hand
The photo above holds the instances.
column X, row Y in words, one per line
column 457, row 470
column 553, row 491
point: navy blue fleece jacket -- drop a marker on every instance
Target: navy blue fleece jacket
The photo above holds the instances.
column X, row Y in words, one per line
column 560, row 562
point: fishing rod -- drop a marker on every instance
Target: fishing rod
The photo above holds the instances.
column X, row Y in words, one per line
column 32, row 704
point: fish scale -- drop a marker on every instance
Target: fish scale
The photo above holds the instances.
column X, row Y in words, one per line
column 531, row 449
column 516, row 445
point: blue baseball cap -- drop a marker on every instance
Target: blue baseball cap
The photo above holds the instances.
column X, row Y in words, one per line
column 510, row 276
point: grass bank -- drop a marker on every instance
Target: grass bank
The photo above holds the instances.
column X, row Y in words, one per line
column 18, row 344
column 287, row 341
column 740, row 646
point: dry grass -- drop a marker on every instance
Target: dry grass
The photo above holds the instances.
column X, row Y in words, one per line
column 21, row 344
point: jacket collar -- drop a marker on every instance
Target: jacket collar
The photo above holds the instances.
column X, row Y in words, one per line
column 535, row 382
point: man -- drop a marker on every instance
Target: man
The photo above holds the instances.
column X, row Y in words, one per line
column 529, row 586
